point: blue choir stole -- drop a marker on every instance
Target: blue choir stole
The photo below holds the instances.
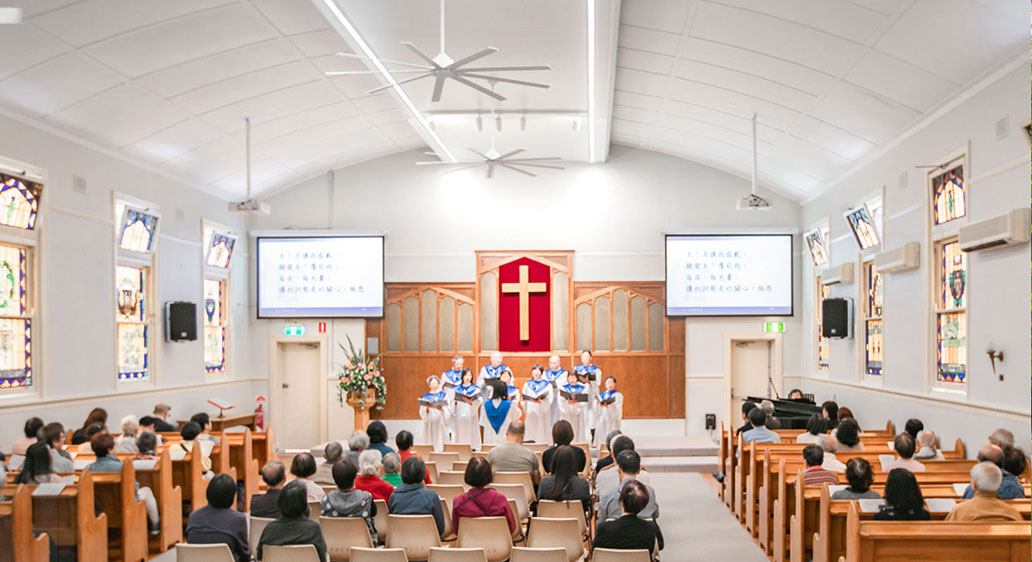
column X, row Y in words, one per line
column 493, row 372
column 452, row 377
column 468, row 390
column 497, row 414
column 552, row 376
column 431, row 398
column 585, row 369
column 575, row 388
column 608, row 396
column 537, row 386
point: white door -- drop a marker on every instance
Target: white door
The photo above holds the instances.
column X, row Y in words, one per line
column 300, row 375
column 750, row 372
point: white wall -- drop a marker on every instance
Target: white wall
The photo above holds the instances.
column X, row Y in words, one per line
column 998, row 287
column 75, row 352
column 613, row 216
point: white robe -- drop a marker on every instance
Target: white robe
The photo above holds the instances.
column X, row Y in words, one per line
column 609, row 418
column 466, row 418
column 555, row 414
column 538, row 415
column 435, row 425
column 450, row 392
column 498, row 437
column 577, row 415
column 485, row 373
column 592, row 409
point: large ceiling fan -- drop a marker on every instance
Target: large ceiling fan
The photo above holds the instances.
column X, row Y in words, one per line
column 443, row 67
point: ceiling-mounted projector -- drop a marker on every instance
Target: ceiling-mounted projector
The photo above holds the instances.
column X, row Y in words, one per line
column 250, row 207
column 753, row 202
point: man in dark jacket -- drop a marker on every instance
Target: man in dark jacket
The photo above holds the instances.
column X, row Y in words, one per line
column 267, row 505
column 293, row 526
column 412, row 497
column 218, row 523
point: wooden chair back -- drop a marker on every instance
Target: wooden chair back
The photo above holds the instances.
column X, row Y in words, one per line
column 169, row 497
column 127, row 516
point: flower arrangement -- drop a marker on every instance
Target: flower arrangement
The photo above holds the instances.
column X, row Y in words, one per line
column 359, row 374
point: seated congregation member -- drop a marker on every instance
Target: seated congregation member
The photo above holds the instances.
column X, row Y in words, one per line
column 404, row 440
column 103, row 445
column 146, row 446
column 565, row 482
column 768, row 408
column 815, row 474
column 37, row 467
column 31, row 430
column 986, row 504
column 357, row 443
column 1014, row 465
column 126, row 443
column 333, row 452
column 150, row 423
column 54, row 436
column 274, row 474
column 847, row 436
column 412, row 497
column 92, row 430
column 831, row 461
column 860, row 477
column 392, row 469
column 903, row 499
column 293, row 526
column 905, row 448
column 747, row 407
column 1010, row 488
column 926, row 447
column 377, row 433
column 913, row 427
column 204, row 420
column 161, row 414
column 481, row 501
column 628, row 464
column 608, row 478
column 816, row 428
column 562, row 435
column 844, row 413
column 629, row 532
column 607, row 459
column 1002, row 438
column 759, row 433
column 370, row 467
column 302, row 468
column 346, row 501
column 829, row 409
column 189, row 434
column 96, row 415
column 218, row 522
column 512, row 456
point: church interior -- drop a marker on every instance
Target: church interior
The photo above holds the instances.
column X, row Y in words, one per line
column 763, row 264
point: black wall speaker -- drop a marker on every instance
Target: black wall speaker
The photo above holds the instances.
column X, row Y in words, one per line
column 837, row 318
column 180, row 321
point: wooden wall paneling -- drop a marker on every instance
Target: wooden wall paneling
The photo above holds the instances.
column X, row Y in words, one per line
column 676, row 371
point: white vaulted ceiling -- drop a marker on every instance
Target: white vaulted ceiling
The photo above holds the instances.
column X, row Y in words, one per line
column 169, row 83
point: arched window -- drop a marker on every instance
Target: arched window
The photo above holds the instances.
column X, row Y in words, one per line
column 19, row 208
column 136, row 237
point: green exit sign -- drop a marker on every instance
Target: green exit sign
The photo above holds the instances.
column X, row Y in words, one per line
column 774, row 327
column 293, row 330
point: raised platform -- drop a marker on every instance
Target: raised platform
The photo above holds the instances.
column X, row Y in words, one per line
column 676, row 453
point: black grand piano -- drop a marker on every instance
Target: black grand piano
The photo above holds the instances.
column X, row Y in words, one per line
column 792, row 414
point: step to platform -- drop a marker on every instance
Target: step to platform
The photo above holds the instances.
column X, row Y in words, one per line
column 703, row 464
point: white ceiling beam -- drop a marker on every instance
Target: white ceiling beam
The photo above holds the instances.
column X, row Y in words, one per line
column 603, row 31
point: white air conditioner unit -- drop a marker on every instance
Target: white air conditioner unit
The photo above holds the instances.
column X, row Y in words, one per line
column 907, row 256
column 838, row 275
column 1004, row 230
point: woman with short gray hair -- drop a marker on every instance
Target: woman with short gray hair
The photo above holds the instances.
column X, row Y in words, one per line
column 370, row 468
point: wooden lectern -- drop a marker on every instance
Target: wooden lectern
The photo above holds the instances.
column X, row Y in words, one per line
column 362, row 403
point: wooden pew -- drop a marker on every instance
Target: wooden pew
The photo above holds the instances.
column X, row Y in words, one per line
column 19, row 544
column 188, row 476
column 69, row 519
column 918, row 541
column 169, row 498
column 242, row 460
column 127, row 516
column 829, row 534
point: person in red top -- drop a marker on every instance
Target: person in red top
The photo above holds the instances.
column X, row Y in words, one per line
column 481, row 501
column 815, row 474
column 404, row 442
column 370, row 467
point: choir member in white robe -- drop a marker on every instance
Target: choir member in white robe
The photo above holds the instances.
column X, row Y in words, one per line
column 574, row 411
column 435, row 412
column 591, row 375
column 466, row 412
column 610, row 411
column 492, row 370
column 512, row 392
column 497, row 414
column 449, row 380
column 537, row 404
column 557, row 377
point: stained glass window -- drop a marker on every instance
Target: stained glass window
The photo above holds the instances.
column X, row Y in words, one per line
column 817, row 242
column 131, row 323
column 951, row 313
column 864, row 228
column 137, row 230
column 949, row 195
column 15, row 323
column 873, row 339
column 19, row 202
column 823, row 344
column 214, row 326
